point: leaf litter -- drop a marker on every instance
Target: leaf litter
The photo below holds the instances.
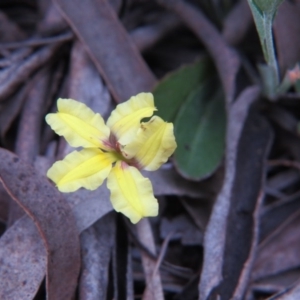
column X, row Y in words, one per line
column 228, row 224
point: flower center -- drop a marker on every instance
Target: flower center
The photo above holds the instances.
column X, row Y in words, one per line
column 116, row 152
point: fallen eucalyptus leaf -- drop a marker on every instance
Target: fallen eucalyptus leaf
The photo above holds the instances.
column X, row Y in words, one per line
column 55, row 222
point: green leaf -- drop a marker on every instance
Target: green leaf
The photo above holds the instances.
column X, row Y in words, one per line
column 191, row 97
column 200, row 132
column 268, row 7
column 264, row 12
column 171, row 91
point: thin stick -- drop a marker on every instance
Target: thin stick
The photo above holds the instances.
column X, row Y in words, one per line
column 154, row 289
column 36, row 42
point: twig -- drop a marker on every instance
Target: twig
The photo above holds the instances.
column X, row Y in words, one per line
column 26, row 68
column 154, row 287
column 285, row 163
column 177, row 271
column 163, row 251
column 161, row 256
column 36, row 42
column 15, row 56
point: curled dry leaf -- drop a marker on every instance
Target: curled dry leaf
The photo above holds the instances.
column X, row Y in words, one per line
column 229, row 249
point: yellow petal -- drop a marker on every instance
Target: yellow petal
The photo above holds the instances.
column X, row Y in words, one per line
column 153, row 145
column 87, row 168
column 124, row 121
column 131, row 193
column 80, row 126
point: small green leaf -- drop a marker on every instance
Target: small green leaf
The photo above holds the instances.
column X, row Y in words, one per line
column 191, row 98
column 264, row 12
column 171, row 91
column 267, row 6
column 200, row 132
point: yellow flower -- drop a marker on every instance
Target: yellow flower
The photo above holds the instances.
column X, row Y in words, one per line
column 116, row 151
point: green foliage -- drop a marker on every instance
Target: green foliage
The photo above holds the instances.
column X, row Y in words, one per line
column 191, row 98
column 171, row 91
column 264, row 12
column 268, row 7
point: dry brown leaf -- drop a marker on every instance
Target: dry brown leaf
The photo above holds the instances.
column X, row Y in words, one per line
column 119, row 62
column 55, row 222
column 229, row 249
